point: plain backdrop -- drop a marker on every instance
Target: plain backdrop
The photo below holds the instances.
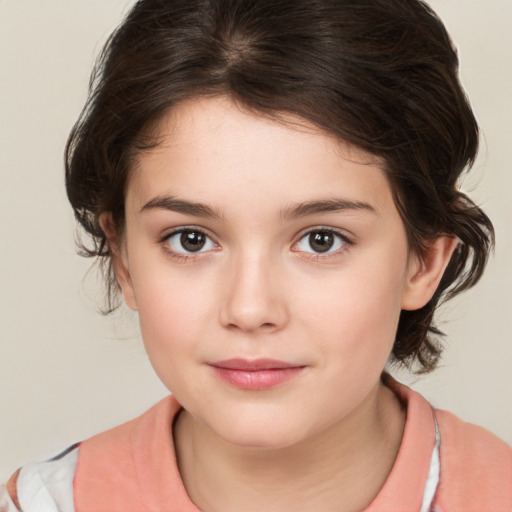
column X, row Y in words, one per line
column 66, row 372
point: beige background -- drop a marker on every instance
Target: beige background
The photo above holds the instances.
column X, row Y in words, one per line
column 66, row 372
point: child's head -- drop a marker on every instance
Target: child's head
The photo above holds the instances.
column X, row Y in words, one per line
column 380, row 76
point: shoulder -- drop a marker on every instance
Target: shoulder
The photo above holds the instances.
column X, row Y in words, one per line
column 103, row 460
column 121, row 469
column 117, row 442
column 475, row 473
column 476, row 467
column 472, row 442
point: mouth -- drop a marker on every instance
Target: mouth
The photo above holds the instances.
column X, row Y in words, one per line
column 257, row 374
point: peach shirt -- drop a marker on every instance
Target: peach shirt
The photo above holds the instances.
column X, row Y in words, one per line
column 122, row 469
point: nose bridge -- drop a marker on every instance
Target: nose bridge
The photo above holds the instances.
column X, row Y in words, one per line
column 254, row 296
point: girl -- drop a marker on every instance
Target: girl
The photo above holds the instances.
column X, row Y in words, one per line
column 272, row 186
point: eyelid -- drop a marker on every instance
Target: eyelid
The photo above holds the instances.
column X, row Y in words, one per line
column 346, row 236
column 186, row 227
column 347, row 241
column 185, row 254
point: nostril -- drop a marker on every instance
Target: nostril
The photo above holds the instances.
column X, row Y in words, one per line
column 244, row 325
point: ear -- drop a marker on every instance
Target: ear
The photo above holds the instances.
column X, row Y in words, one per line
column 119, row 257
column 426, row 271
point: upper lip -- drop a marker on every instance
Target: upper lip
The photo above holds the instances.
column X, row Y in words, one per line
column 253, row 364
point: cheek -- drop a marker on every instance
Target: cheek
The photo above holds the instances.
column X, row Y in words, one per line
column 356, row 312
column 357, row 300
column 171, row 306
column 171, row 331
column 169, row 312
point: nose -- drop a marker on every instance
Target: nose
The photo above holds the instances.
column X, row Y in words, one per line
column 254, row 297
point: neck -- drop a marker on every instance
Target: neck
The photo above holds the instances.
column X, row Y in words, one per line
column 341, row 469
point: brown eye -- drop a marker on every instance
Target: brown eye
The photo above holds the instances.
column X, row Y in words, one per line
column 192, row 241
column 185, row 241
column 322, row 241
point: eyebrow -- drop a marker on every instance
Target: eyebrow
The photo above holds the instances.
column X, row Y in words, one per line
column 293, row 211
column 324, row 206
column 182, row 206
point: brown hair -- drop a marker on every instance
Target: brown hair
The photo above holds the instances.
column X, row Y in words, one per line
column 379, row 74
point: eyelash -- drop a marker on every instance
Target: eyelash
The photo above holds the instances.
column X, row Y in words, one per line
column 186, row 257
column 323, row 257
column 178, row 256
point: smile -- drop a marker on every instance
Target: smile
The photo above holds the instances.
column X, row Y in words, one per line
column 257, row 374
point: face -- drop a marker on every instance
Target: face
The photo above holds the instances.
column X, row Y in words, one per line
column 268, row 265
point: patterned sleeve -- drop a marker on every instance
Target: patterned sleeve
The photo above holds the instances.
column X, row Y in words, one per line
column 44, row 486
column 6, row 504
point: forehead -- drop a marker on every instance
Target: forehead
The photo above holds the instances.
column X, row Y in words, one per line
column 219, row 152
column 209, row 118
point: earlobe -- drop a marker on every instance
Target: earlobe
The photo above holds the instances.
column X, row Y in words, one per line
column 119, row 259
column 426, row 272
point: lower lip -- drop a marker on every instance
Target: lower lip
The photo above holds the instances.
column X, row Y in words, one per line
column 257, row 379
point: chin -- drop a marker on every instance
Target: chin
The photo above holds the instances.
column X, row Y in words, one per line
column 259, row 435
column 261, row 442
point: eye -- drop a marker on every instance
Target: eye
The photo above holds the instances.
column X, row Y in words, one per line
column 322, row 241
column 190, row 240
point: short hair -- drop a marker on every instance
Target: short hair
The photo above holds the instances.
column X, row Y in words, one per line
column 381, row 75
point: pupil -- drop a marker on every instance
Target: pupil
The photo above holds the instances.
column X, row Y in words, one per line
column 192, row 240
column 321, row 241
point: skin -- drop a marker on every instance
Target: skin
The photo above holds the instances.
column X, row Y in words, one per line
column 327, row 438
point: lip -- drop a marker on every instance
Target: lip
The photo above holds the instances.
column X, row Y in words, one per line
column 256, row 374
